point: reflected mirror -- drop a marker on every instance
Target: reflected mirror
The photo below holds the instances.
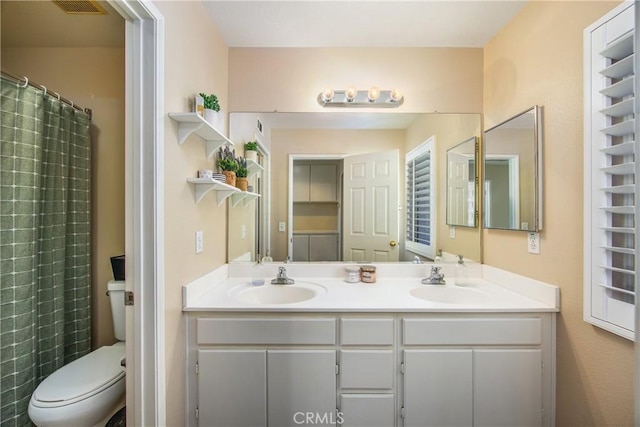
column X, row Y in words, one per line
column 317, row 142
column 461, row 183
column 512, row 173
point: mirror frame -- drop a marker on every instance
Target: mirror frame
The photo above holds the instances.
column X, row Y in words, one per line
column 537, row 168
column 476, row 182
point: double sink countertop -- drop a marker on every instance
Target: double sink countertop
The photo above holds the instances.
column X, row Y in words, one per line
column 321, row 287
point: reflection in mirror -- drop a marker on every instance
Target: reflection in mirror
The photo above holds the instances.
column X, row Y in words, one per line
column 512, row 173
column 461, row 183
column 341, row 135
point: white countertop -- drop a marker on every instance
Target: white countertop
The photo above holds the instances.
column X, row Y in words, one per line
column 487, row 290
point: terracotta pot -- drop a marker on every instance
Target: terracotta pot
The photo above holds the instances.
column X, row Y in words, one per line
column 242, row 183
column 230, row 178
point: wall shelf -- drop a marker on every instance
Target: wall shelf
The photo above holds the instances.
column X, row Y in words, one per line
column 254, row 167
column 243, row 195
column 203, row 185
column 189, row 123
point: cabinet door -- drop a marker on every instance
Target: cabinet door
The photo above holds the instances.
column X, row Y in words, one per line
column 301, row 183
column 232, row 388
column 438, row 388
column 323, row 247
column 301, row 382
column 322, row 183
column 507, row 387
column 300, row 247
column 367, row 410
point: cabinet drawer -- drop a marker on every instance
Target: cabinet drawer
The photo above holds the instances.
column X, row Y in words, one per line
column 518, row 331
column 367, row 410
column 266, row 331
column 366, row 369
column 366, row 331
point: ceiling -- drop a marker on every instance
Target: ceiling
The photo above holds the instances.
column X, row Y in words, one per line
column 288, row 23
column 349, row 23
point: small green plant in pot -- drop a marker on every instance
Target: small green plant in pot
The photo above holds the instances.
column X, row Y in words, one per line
column 241, row 174
column 251, row 151
column 227, row 163
column 211, row 108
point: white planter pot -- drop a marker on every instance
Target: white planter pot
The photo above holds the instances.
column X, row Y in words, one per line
column 211, row 116
column 251, row 155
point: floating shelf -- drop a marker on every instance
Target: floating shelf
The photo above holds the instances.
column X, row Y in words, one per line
column 254, row 167
column 243, row 195
column 189, row 123
column 203, row 185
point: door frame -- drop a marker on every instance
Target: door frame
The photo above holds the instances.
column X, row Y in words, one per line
column 144, row 212
column 292, row 158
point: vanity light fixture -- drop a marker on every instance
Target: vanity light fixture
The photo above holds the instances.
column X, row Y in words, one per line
column 353, row 98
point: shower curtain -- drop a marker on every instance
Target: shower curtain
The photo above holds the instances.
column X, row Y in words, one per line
column 44, row 242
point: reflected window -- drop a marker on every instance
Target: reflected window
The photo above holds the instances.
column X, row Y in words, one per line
column 420, row 193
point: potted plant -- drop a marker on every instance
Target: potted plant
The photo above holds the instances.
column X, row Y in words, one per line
column 241, row 174
column 211, row 108
column 227, row 164
column 251, row 151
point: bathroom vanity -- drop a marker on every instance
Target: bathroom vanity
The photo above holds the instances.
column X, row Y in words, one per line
column 392, row 353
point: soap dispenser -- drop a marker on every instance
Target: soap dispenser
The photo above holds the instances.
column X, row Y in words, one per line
column 257, row 272
column 461, row 274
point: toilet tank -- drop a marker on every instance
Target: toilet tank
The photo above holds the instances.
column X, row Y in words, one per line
column 116, row 297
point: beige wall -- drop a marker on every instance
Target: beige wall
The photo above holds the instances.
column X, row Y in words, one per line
column 537, row 59
column 289, row 80
column 195, row 61
column 92, row 78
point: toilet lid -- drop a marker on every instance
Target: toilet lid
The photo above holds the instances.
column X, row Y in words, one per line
column 83, row 377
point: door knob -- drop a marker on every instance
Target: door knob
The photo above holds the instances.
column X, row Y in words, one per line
column 393, row 243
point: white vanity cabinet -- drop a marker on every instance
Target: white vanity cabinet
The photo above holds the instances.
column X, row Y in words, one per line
column 478, row 371
column 367, row 371
column 261, row 371
column 370, row 369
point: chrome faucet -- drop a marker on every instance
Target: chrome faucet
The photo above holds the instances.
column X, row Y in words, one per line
column 417, row 260
column 436, row 278
column 281, row 278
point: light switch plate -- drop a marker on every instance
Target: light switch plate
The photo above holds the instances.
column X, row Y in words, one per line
column 282, row 226
column 199, row 242
column 533, row 241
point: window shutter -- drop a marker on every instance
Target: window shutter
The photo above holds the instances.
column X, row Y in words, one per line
column 610, row 182
column 420, row 207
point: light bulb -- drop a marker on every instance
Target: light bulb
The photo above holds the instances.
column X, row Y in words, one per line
column 350, row 94
column 395, row 95
column 373, row 93
column 327, row 95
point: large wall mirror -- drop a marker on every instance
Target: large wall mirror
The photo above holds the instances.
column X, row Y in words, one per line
column 306, row 149
column 512, row 171
column 462, row 180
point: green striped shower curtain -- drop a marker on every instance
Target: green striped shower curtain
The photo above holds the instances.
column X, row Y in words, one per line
column 45, row 305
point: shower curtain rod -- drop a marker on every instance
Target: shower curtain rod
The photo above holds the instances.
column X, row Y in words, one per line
column 26, row 82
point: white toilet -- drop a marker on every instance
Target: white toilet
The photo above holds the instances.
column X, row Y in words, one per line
column 86, row 391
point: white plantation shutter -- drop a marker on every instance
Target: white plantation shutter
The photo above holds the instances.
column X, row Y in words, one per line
column 610, row 164
column 420, row 200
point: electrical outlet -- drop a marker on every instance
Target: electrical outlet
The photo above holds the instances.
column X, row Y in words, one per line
column 243, row 232
column 282, row 226
column 452, row 231
column 199, row 242
column 534, row 243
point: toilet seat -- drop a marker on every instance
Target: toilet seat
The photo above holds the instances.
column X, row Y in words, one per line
column 81, row 379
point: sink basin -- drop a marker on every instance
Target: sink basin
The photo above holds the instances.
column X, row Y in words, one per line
column 278, row 294
column 449, row 294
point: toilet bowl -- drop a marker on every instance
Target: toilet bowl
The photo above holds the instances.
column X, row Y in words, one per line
column 85, row 391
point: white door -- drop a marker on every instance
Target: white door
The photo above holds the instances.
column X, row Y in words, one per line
column 457, row 188
column 371, row 211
